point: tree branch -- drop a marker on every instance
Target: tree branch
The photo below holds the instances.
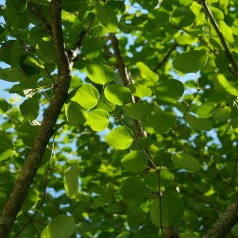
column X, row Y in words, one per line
column 224, row 223
column 220, row 36
column 120, row 63
column 35, row 10
column 32, row 163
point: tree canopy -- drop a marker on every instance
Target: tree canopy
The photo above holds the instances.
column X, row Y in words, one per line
column 127, row 122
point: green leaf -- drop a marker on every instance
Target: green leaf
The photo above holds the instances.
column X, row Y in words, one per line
column 133, row 190
column 147, row 73
column 106, row 16
column 184, row 161
column 75, row 114
column 6, row 154
column 140, row 90
column 190, row 62
column 120, row 138
column 155, row 213
column 226, row 31
column 183, row 16
column 105, row 105
column 199, row 123
column 27, row 132
column 135, row 216
column 71, row 183
column 33, row 105
column 160, row 122
column 172, row 210
column 45, row 50
column 135, row 161
column 221, row 114
column 186, row 39
column 70, row 5
column 6, row 146
column 148, row 4
column 98, row 119
column 227, row 86
column 169, row 91
column 100, row 73
column 87, row 96
column 117, row 94
column 61, row 227
column 12, row 75
column 152, row 179
column 138, row 111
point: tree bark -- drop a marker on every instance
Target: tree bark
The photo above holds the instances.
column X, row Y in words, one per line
column 224, row 223
column 33, row 160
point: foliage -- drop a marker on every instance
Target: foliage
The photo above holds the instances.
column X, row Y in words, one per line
column 147, row 137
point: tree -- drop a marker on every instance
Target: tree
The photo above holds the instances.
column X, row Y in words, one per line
column 128, row 120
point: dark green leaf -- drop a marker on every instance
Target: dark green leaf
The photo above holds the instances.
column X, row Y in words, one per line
column 184, row 161
column 190, row 62
column 138, row 111
column 199, row 123
column 62, row 226
column 133, row 190
column 170, row 91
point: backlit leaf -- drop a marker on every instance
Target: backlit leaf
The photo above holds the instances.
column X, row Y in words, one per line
column 87, row 96
column 75, row 114
column 120, row 138
column 98, row 119
column 135, row 161
column 71, row 183
column 106, row 16
column 117, row 94
column 100, row 73
column 227, row 86
column 146, row 72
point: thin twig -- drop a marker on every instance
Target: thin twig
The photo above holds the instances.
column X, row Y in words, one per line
column 73, row 54
column 165, row 57
column 22, row 47
column 220, row 36
column 177, row 127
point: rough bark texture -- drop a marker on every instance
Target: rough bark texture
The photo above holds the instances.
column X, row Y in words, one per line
column 32, row 163
column 224, row 223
